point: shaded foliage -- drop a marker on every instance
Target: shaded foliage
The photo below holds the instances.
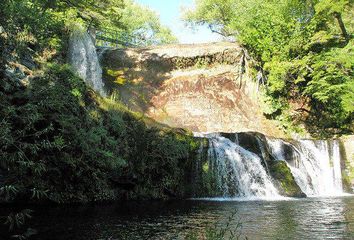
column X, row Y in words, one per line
column 59, row 141
column 65, row 143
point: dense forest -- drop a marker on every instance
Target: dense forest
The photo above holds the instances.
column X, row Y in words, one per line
column 61, row 142
column 305, row 51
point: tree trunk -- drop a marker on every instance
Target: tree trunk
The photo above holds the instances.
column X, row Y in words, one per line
column 338, row 16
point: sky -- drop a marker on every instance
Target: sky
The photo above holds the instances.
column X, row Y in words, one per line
column 170, row 15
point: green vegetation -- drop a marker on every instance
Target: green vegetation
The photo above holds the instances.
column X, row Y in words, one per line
column 305, row 50
column 208, row 186
column 68, row 145
column 45, row 23
column 141, row 26
column 59, row 141
column 57, row 136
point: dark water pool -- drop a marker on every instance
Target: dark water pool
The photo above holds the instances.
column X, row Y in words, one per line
column 311, row 218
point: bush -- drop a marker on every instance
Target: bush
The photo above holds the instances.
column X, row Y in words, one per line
column 65, row 142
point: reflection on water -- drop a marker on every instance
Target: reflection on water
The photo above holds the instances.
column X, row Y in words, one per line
column 311, row 218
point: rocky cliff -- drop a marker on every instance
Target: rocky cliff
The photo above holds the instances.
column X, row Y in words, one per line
column 203, row 87
column 347, row 154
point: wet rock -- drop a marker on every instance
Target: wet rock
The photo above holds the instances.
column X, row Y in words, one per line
column 28, row 62
column 347, row 163
column 286, row 183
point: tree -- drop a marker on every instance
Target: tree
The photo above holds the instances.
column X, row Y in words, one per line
column 329, row 9
column 141, row 26
column 217, row 14
column 303, row 46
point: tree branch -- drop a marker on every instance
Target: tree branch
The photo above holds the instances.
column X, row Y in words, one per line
column 338, row 16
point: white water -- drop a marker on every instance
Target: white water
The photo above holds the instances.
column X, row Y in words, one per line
column 337, row 173
column 316, row 165
column 84, row 60
column 239, row 172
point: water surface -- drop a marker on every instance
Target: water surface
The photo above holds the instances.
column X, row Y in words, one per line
column 311, row 218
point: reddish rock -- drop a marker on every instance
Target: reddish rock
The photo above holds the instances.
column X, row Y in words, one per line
column 216, row 97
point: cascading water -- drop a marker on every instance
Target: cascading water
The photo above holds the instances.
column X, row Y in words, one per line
column 250, row 166
column 315, row 165
column 337, row 172
column 84, row 60
column 239, row 173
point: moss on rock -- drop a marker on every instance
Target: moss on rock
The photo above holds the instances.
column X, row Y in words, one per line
column 286, row 182
column 347, row 162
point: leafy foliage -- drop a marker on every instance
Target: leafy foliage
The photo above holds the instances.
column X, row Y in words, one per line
column 331, row 85
column 61, row 142
column 65, row 147
column 42, row 26
column 216, row 14
column 305, row 48
column 141, row 26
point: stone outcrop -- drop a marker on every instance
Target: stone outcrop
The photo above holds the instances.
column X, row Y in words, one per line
column 347, row 154
column 202, row 88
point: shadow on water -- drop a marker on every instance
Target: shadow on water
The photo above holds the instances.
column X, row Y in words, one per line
column 312, row 218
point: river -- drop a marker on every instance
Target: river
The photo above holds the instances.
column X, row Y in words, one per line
column 308, row 218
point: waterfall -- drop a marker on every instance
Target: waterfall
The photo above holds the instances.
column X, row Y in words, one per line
column 337, row 172
column 253, row 166
column 83, row 58
column 315, row 164
column 239, row 173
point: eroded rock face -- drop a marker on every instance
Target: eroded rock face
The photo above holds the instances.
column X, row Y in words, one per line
column 203, row 88
column 347, row 153
column 83, row 59
column 205, row 104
